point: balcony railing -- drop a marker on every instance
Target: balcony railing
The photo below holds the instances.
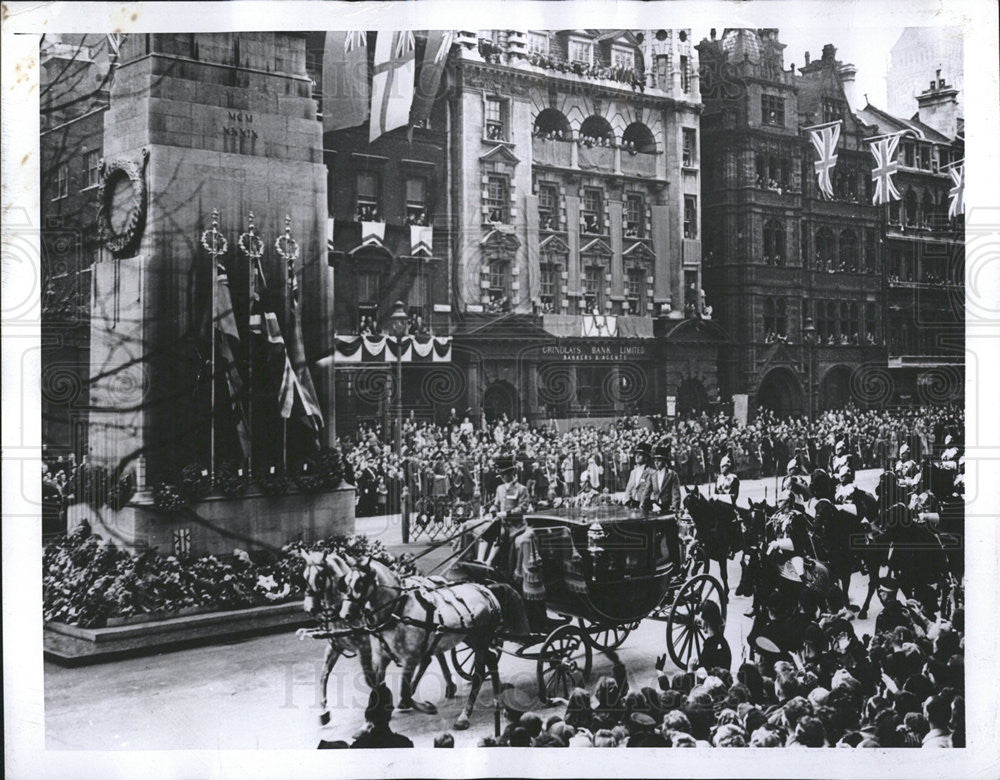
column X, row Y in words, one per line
column 627, row 77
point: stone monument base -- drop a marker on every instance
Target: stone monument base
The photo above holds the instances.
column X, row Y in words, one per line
column 217, row 525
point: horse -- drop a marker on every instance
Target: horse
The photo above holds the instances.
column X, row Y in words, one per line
column 324, row 576
column 821, row 485
column 713, row 523
column 918, row 552
column 418, row 617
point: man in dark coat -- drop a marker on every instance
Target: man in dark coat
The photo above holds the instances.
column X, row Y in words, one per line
column 664, row 485
column 378, row 713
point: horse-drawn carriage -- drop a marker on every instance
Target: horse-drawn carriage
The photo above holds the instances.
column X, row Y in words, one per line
column 602, row 570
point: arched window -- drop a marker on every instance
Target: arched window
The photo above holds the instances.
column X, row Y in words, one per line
column 825, row 249
column 551, row 124
column 781, row 318
column 638, row 138
column 855, row 325
column 769, row 323
column 910, row 208
column 761, row 169
column 852, row 185
column 596, row 131
column 831, row 322
column 871, row 252
column 774, row 243
column 845, row 322
column 848, row 250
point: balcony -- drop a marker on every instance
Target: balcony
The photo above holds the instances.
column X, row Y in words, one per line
column 642, row 164
column 549, row 151
column 596, row 158
column 621, row 77
column 924, row 361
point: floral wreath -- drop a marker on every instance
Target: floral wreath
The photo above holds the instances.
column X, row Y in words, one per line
column 115, row 241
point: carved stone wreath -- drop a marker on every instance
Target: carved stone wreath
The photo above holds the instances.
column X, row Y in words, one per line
column 118, row 241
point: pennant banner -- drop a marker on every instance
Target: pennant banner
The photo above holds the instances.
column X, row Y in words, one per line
column 956, row 195
column 297, row 381
column 884, row 152
column 372, row 233
column 383, row 349
column 824, row 141
column 421, row 239
column 345, row 80
column 392, row 81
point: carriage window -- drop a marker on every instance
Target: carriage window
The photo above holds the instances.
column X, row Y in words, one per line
column 662, row 550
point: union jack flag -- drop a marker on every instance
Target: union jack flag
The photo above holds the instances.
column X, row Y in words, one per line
column 884, row 152
column 824, row 141
column 957, row 193
column 356, row 39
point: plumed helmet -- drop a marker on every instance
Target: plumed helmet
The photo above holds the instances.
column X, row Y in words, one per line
column 904, row 450
column 840, row 446
column 726, row 461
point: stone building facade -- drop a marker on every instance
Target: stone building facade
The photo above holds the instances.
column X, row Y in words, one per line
column 795, row 275
column 577, row 266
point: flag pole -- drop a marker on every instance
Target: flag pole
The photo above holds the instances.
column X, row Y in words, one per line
column 216, row 245
column 253, row 247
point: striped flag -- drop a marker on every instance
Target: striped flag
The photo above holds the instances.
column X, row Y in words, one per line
column 392, row 81
column 296, row 381
column 824, row 141
column 226, row 335
column 431, row 68
column 956, row 194
column 884, row 152
column 345, row 79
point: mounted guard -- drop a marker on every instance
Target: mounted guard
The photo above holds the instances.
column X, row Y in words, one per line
column 728, row 484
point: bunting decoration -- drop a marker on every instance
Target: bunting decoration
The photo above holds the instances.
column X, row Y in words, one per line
column 956, row 195
column 884, row 152
column 383, row 349
column 372, row 233
column 392, row 81
column 345, row 79
column 431, row 69
column 824, row 140
column 227, row 336
column 421, row 240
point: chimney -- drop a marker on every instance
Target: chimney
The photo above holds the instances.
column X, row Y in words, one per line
column 807, row 58
column 711, row 33
column 847, row 73
column 937, row 107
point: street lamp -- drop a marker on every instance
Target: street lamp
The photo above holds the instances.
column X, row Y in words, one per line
column 399, row 323
column 809, row 335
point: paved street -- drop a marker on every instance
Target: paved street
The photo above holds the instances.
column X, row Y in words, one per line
column 262, row 692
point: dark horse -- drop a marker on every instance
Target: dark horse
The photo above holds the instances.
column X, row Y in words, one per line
column 716, row 529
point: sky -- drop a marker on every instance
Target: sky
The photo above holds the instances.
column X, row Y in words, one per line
column 867, row 48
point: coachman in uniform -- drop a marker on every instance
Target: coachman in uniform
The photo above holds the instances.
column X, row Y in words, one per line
column 510, row 503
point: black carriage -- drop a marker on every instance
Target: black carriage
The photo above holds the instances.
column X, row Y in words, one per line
column 602, row 570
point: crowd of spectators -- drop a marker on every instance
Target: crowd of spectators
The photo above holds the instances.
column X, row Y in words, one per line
column 455, row 459
column 902, row 686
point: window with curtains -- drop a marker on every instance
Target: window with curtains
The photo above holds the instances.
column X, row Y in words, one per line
column 416, row 201
column 499, row 284
column 498, row 198
column 635, row 216
column 549, row 287
column 623, row 57
column 538, row 43
column 593, row 286
column 581, row 50
column 772, row 110
column 62, row 181
column 690, row 147
column 92, row 163
column 635, row 288
column 368, row 197
column 592, row 213
column 548, row 206
column 690, row 216
column 833, row 109
column 496, row 119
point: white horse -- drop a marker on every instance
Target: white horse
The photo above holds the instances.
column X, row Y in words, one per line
column 324, row 575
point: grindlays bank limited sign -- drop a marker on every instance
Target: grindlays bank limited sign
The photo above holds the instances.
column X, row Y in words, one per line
column 594, row 353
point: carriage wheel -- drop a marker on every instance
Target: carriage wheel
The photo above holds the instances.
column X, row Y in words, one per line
column 684, row 638
column 563, row 663
column 610, row 638
column 463, row 659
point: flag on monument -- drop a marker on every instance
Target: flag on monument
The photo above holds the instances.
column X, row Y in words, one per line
column 824, row 141
column 345, row 79
column 884, row 152
column 329, row 234
column 226, row 334
column 431, row 68
column 392, row 81
column 296, row 381
column 956, row 195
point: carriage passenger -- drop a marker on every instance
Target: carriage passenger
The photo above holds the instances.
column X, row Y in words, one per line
column 640, row 476
column 664, row 494
column 905, row 467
